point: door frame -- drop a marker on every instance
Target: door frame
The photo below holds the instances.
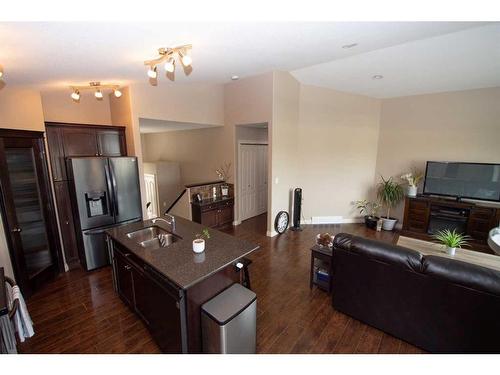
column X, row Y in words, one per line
column 238, row 174
column 53, row 235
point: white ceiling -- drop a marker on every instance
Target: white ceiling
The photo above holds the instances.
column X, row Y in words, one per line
column 52, row 55
column 147, row 125
column 462, row 60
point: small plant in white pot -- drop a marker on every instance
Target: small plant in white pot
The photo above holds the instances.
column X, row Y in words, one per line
column 390, row 194
column 413, row 179
column 451, row 240
column 199, row 242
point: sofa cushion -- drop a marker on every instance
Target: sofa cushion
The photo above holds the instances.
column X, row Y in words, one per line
column 387, row 253
column 343, row 241
column 462, row 273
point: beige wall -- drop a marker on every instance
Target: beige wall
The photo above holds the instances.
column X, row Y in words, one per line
column 452, row 126
column 20, row 108
column 284, row 141
column 59, row 107
column 337, row 148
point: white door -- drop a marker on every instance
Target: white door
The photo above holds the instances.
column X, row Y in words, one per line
column 253, row 180
column 151, row 195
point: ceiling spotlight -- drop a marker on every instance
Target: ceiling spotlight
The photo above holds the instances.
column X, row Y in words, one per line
column 168, row 56
column 97, row 87
column 185, row 58
column 377, row 76
column 170, row 65
column 347, row 46
column 235, row 78
column 1, row 72
column 75, row 95
column 152, row 73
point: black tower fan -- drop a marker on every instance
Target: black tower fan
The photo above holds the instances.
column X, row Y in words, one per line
column 297, row 205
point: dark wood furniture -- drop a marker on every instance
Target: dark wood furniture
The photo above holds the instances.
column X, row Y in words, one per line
column 172, row 314
column 321, row 257
column 4, row 308
column 480, row 218
column 74, row 140
column 214, row 213
column 27, row 209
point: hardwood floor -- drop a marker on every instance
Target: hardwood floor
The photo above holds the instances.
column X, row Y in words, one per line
column 80, row 313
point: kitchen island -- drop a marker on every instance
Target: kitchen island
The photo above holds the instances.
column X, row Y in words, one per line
column 166, row 285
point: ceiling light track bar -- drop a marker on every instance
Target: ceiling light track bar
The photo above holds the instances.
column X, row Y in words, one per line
column 167, row 53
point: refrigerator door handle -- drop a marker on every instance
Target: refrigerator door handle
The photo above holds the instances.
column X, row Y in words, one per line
column 113, row 184
column 110, row 190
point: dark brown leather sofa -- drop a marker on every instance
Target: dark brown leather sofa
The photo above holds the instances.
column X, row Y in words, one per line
column 438, row 304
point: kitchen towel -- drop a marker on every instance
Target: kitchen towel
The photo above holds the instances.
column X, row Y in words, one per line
column 22, row 319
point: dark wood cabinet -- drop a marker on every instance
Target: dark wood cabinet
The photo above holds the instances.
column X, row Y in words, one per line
column 217, row 214
column 154, row 299
column 477, row 220
column 77, row 140
column 68, row 235
column 111, row 143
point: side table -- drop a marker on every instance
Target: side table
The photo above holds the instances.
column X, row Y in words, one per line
column 321, row 268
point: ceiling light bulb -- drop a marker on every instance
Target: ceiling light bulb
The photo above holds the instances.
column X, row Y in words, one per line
column 75, row 95
column 152, row 72
column 170, row 65
column 117, row 93
column 235, row 78
column 1, row 73
column 98, row 94
column 377, row 76
column 186, row 59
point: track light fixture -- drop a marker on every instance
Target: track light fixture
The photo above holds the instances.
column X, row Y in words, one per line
column 169, row 55
column 98, row 88
column 1, row 71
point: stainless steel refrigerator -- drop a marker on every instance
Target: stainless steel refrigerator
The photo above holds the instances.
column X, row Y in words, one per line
column 107, row 193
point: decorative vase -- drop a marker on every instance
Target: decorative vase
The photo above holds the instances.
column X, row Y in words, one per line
column 225, row 190
column 199, row 245
column 388, row 224
column 371, row 221
column 451, row 250
column 412, row 191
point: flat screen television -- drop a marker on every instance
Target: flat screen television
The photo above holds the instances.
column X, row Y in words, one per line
column 463, row 180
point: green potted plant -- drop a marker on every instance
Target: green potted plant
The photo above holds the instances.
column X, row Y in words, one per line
column 370, row 210
column 389, row 193
column 451, row 240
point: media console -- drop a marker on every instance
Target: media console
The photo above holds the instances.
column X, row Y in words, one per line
column 424, row 216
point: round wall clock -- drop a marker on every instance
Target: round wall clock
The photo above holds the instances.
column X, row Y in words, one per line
column 281, row 222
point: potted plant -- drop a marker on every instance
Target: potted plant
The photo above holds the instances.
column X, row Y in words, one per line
column 413, row 179
column 390, row 194
column 451, row 240
column 370, row 210
column 199, row 241
column 223, row 174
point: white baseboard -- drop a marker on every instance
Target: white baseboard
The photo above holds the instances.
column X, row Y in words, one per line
column 236, row 222
column 315, row 220
column 271, row 233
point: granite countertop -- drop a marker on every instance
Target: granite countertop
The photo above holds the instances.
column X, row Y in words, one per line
column 205, row 202
column 178, row 262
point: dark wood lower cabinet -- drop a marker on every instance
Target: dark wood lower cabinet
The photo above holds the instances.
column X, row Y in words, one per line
column 172, row 314
column 158, row 304
column 218, row 214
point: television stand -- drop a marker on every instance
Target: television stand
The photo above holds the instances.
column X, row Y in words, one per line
column 425, row 215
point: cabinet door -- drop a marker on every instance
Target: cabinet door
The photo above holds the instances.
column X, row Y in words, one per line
column 124, row 281
column 80, row 141
column 479, row 222
column 225, row 216
column 111, row 143
column 209, row 218
column 56, row 151
column 164, row 316
column 143, row 304
column 67, row 226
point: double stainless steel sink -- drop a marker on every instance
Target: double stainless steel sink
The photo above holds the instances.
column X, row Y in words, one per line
column 152, row 237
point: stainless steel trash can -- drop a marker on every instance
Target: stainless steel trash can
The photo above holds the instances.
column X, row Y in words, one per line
column 229, row 322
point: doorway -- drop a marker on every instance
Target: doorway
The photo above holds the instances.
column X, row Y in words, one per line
column 27, row 209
